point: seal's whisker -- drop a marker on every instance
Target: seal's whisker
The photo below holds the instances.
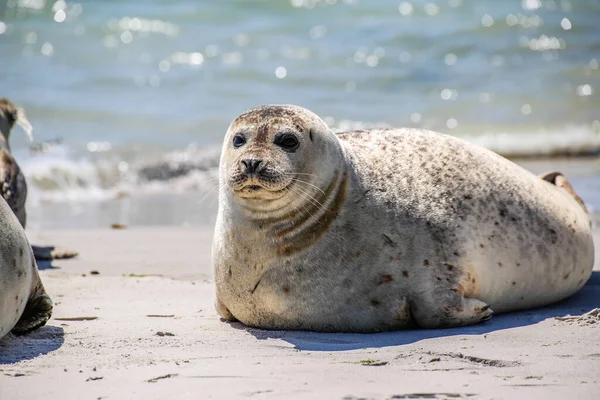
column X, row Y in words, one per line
column 213, row 179
column 309, row 184
column 303, row 203
column 310, row 197
column 300, row 173
column 211, row 191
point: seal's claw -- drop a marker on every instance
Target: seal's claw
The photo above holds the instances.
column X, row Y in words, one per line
column 486, row 318
column 37, row 312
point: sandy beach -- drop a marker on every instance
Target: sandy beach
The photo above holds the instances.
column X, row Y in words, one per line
column 134, row 319
column 129, row 102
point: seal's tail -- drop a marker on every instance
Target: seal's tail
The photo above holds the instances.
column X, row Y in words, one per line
column 558, row 179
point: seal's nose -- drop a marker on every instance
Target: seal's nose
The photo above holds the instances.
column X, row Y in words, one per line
column 251, row 165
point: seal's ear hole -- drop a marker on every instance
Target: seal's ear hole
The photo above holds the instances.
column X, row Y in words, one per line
column 310, row 135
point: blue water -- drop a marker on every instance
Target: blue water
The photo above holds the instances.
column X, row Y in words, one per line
column 124, row 83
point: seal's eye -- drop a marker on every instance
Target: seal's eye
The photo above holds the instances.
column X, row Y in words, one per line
column 238, row 141
column 287, row 142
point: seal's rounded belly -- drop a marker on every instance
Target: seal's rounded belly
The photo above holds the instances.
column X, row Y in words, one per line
column 383, row 229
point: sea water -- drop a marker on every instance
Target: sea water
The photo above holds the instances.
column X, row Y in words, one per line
column 130, row 99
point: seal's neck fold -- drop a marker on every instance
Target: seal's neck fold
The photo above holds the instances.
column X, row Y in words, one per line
column 311, row 217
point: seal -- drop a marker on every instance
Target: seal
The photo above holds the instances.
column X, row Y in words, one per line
column 24, row 304
column 385, row 229
column 13, row 186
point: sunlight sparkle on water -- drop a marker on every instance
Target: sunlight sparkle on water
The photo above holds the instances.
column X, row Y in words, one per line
column 405, row 8
column 60, row 16
column 448, row 94
column 451, row 123
column 450, row 59
column 487, row 20
column 531, row 4
column 584, row 90
column 317, row 32
column 47, row 49
column 280, row 72
column 565, row 24
column 164, row 65
column 59, row 6
column 126, row 37
column 432, row 9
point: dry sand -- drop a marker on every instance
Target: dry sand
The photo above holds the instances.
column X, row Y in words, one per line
column 142, row 326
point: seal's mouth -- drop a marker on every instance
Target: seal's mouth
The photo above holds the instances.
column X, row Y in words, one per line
column 255, row 190
column 250, row 187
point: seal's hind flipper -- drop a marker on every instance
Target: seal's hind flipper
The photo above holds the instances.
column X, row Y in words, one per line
column 52, row 253
column 558, row 179
column 448, row 309
column 37, row 312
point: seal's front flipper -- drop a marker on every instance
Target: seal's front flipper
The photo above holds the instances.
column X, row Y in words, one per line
column 224, row 311
column 52, row 253
column 37, row 312
column 449, row 310
column 558, row 179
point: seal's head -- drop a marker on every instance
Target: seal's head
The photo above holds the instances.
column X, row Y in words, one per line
column 8, row 117
column 273, row 152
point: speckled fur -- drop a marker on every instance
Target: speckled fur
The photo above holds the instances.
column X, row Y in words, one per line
column 419, row 228
column 13, row 187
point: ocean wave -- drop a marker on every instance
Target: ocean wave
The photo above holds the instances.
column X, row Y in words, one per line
column 57, row 174
column 573, row 141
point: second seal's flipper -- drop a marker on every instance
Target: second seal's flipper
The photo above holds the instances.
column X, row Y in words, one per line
column 52, row 253
column 558, row 179
column 37, row 312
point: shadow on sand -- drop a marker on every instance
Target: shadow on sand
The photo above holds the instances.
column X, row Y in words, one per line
column 45, row 265
column 587, row 299
column 42, row 341
column 46, row 262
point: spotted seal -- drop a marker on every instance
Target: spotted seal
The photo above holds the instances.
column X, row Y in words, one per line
column 13, row 186
column 385, row 229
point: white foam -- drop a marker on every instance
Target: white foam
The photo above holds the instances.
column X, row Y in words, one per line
column 59, row 175
column 572, row 141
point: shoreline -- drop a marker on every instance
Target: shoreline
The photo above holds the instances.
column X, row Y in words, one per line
column 191, row 200
column 143, row 326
